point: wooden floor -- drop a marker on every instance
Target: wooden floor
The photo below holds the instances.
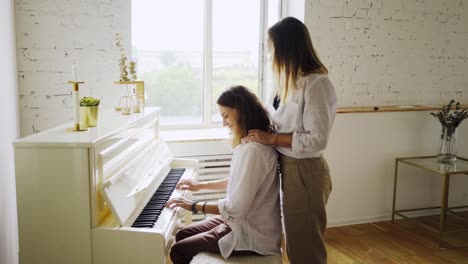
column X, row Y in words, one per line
column 401, row 243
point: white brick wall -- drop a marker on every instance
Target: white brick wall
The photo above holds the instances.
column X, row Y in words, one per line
column 50, row 36
column 393, row 52
column 380, row 52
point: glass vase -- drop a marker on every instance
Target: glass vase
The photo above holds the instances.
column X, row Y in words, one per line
column 448, row 148
column 126, row 105
column 125, row 91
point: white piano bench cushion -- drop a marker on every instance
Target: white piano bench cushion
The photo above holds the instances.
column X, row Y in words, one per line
column 209, row 258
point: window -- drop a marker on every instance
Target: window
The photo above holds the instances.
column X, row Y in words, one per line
column 188, row 52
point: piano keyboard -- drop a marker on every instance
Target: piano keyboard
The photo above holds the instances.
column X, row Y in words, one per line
column 150, row 214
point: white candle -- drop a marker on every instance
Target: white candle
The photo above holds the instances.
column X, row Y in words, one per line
column 76, row 98
column 74, row 72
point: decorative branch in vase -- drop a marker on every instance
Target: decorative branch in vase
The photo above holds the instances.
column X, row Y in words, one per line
column 131, row 91
column 123, row 61
column 449, row 119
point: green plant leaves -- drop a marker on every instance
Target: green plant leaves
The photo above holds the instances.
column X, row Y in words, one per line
column 89, row 101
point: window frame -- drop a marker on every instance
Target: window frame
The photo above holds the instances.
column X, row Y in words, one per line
column 207, row 63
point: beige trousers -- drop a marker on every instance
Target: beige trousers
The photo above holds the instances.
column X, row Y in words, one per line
column 306, row 186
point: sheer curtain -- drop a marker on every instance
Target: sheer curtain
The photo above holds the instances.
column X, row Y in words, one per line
column 8, row 133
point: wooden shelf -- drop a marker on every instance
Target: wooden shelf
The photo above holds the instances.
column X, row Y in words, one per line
column 395, row 108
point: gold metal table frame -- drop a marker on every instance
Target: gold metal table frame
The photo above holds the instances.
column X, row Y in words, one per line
column 430, row 163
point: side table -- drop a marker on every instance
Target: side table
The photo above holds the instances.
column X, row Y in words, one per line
column 429, row 163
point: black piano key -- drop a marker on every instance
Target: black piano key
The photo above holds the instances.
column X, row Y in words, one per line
column 151, row 211
column 143, row 226
column 155, row 202
column 145, row 221
column 153, row 207
column 150, row 214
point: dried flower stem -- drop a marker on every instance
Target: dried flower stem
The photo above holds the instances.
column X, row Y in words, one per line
column 123, row 61
column 450, row 121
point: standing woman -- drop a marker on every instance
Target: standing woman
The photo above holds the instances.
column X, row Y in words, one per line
column 304, row 111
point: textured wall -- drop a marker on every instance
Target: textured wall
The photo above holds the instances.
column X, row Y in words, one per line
column 380, row 52
column 393, row 52
column 50, row 36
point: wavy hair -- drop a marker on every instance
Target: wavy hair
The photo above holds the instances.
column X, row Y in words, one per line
column 250, row 111
column 293, row 54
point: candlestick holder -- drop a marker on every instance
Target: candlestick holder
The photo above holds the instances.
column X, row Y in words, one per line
column 76, row 88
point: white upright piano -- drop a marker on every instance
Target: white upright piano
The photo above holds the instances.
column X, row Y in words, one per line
column 98, row 196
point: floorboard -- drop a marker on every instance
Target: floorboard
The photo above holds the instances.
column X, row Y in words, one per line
column 399, row 243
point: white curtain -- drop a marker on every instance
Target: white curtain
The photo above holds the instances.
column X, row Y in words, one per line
column 8, row 133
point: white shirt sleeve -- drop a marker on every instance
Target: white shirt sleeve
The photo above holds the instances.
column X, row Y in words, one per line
column 318, row 116
column 247, row 177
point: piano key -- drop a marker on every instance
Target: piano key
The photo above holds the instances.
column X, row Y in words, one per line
column 144, row 219
column 150, row 213
column 144, row 226
column 155, row 206
column 156, row 203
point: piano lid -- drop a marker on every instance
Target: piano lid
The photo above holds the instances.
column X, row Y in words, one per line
column 129, row 189
column 111, row 123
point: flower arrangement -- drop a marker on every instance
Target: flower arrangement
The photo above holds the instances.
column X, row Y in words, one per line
column 123, row 62
column 89, row 101
column 450, row 121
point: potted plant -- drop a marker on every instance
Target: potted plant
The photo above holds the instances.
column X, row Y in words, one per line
column 89, row 108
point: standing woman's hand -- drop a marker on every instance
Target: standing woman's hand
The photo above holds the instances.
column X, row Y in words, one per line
column 260, row 136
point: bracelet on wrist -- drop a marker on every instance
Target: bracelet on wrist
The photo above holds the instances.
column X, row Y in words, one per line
column 203, row 207
column 194, row 207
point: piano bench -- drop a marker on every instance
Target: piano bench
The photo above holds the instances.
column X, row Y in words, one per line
column 209, row 258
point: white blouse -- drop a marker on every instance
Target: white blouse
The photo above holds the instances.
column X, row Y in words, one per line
column 308, row 114
column 251, row 207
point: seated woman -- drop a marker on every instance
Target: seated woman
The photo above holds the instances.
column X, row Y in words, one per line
column 249, row 217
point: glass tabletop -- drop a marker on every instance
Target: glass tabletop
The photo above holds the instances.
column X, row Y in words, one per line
column 431, row 163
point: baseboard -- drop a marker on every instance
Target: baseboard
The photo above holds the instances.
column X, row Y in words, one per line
column 387, row 217
column 356, row 221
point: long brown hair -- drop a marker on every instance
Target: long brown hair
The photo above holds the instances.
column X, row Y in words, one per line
column 293, row 55
column 250, row 111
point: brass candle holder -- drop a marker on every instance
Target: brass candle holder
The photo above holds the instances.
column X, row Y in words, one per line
column 76, row 88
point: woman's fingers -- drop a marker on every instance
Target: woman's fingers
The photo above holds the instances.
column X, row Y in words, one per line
column 252, row 136
column 178, row 202
column 171, row 203
column 182, row 183
column 175, row 202
column 256, row 135
column 186, row 184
